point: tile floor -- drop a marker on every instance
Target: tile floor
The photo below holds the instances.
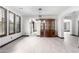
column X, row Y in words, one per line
column 34, row 44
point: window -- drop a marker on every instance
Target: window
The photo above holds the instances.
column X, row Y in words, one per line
column 11, row 23
column 3, row 22
column 17, row 24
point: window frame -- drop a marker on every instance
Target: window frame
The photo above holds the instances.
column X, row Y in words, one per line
column 19, row 23
column 5, row 11
column 13, row 24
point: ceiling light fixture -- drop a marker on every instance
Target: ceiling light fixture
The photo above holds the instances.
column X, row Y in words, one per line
column 39, row 9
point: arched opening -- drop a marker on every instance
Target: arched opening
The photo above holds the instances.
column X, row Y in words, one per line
column 33, row 29
column 71, row 24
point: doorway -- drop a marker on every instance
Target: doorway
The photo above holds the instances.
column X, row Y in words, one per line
column 33, row 30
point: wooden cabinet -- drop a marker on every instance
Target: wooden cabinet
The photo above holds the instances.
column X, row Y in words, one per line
column 48, row 28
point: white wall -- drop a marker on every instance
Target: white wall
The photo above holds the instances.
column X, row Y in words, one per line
column 8, row 38
column 76, row 25
column 26, row 29
column 60, row 27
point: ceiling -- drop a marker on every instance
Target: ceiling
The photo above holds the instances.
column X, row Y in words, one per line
column 72, row 15
column 46, row 10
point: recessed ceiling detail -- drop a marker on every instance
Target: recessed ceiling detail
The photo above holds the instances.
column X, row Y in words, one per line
column 45, row 10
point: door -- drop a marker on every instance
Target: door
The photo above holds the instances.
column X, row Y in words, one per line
column 48, row 28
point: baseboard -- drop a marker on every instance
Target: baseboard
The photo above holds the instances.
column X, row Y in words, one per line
column 38, row 35
column 45, row 36
column 75, row 35
column 61, row 37
column 10, row 41
column 25, row 35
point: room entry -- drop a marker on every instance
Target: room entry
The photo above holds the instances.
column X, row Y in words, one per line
column 48, row 28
